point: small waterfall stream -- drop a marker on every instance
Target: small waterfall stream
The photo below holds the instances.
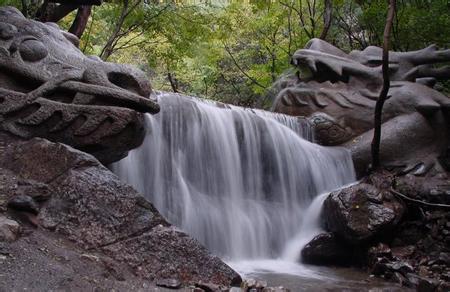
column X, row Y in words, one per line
column 238, row 180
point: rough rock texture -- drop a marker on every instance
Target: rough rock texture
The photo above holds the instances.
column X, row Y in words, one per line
column 49, row 89
column 87, row 204
column 9, row 229
column 417, row 254
column 338, row 92
column 361, row 212
column 325, row 249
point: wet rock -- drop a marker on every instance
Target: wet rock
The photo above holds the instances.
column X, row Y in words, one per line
column 169, row 283
column 23, row 203
column 361, row 212
column 325, row 249
column 9, row 229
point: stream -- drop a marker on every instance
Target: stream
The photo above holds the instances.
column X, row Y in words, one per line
column 248, row 184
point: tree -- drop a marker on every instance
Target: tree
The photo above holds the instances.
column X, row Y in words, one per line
column 385, row 89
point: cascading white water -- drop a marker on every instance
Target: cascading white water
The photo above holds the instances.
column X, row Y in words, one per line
column 238, row 180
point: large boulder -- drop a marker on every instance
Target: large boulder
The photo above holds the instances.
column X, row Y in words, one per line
column 361, row 212
column 91, row 207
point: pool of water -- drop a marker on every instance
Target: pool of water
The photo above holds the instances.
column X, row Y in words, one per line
column 300, row 277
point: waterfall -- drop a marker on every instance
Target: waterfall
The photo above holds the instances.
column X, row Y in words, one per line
column 238, row 180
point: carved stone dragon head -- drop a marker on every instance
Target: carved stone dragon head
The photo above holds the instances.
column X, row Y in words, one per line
column 50, row 89
column 338, row 92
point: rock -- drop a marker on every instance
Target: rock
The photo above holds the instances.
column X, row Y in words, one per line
column 403, row 251
column 168, row 283
column 361, row 212
column 400, row 266
column 253, row 285
column 91, row 207
column 402, row 280
column 426, row 284
column 24, row 203
column 325, row 249
column 9, row 229
column 444, row 258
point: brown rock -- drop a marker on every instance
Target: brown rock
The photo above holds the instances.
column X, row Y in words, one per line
column 361, row 212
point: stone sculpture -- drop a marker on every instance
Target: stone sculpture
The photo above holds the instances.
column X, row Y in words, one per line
column 50, row 89
column 338, row 92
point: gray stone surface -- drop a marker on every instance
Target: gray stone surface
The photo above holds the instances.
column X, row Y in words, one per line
column 338, row 92
column 50, row 89
column 89, row 206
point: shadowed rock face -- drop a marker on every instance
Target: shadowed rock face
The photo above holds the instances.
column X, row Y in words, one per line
column 50, row 89
column 338, row 92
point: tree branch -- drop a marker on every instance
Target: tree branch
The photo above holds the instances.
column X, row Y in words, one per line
column 79, row 24
column 418, row 201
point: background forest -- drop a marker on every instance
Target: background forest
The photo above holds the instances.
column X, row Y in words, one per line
column 234, row 51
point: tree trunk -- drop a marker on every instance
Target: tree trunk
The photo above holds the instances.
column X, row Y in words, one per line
column 384, row 91
column 79, row 24
column 327, row 18
column 173, row 82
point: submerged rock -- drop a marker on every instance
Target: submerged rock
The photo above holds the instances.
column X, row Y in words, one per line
column 361, row 212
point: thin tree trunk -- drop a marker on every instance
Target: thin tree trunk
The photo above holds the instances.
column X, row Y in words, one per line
column 384, row 91
column 79, row 24
column 327, row 18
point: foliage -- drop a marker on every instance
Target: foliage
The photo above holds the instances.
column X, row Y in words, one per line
column 232, row 50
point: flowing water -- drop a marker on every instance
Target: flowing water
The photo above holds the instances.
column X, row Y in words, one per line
column 246, row 183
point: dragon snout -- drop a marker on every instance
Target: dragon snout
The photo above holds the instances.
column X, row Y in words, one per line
column 119, row 86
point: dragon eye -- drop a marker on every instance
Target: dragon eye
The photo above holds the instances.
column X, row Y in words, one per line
column 7, row 31
column 32, row 50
